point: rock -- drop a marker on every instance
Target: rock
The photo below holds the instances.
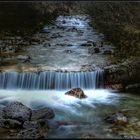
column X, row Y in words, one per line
column 24, row 58
column 87, row 44
column 91, row 42
column 17, row 111
column 45, row 113
column 41, row 123
column 118, row 87
column 45, row 31
column 1, row 113
column 47, row 45
column 68, row 51
column 96, row 50
column 101, row 45
column 133, row 87
column 129, row 136
column 32, row 133
column 125, row 73
column 108, row 52
column 86, row 67
column 76, row 92
column 53, row 124
column 63, row 21
column 61, row 27
column 31, row 124
column 69, row 45
column 56, row 35
column 10, row 123
column 117, row 118
column 88, row 136
column 72, row 29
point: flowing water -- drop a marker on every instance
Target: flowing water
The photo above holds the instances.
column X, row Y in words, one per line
column 51, row 80
column 84, row 116
column 47, row 88
column 62, row 46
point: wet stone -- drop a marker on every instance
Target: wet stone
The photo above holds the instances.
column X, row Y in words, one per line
column 68, row 51
column 31, row 124
column 96, row 50
column 47, row 45
column 10, row 123
column 117, row 118
column 17, row 111
column 76, row 92
column 45, row 113
column 1, row 113
column 32, row 133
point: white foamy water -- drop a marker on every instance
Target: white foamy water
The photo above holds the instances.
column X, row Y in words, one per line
column 57, row 99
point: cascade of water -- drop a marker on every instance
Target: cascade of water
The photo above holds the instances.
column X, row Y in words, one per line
column 52, row 80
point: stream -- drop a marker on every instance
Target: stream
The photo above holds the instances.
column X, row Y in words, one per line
column 67, row 47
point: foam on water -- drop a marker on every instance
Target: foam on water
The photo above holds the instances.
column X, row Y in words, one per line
column 57, row 99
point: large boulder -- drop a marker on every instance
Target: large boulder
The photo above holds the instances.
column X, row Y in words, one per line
column 45, row 113
column 31, row 123
column 17, row 111
column 76, row 92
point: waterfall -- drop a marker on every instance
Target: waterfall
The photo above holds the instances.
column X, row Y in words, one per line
column 51, row 80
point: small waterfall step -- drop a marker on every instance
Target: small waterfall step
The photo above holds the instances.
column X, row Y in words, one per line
column 52, row 80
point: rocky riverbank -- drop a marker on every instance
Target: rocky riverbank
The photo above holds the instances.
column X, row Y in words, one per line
column 22, row 122
column 124, row 76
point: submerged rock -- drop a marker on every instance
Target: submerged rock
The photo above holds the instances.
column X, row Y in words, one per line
column 76, row 92
column 87, row 44
column 68, row 51
column 17, row 111
column 96, row 50
column 72, row 29
column 45, row 113
column 91, row 42
column 47, row 45
column 117, row 118
column 133, row 87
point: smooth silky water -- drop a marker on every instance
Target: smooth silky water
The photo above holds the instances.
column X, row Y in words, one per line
column 86, row 115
